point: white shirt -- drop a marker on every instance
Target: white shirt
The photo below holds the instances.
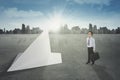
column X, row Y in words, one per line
column 91, row 42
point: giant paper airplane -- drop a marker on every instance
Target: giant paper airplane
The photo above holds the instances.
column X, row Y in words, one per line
column 36, row 55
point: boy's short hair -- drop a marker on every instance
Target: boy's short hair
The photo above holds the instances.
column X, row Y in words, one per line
column 90, row 32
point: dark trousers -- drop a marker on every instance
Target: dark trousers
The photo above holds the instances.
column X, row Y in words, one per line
column 90, row 53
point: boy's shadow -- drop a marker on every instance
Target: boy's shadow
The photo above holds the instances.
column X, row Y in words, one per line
column 102, row 73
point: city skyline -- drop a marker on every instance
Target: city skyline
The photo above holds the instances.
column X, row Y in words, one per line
column 26, row 29
column 53, row 13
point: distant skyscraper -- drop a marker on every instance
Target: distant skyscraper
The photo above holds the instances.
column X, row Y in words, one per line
column 75, row 29
column 95, row 29
column 118, row 30
column 4, row 30
column 23, row 28
column 36, row 30
column 1, row 31
column 16, row 31
column 90, row 27
column 28, row 29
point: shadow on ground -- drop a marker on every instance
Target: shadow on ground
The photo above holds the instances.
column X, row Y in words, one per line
column 24, row 74
column 102, row 72
column 15, row 74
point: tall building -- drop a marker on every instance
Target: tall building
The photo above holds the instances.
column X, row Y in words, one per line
column 1, row 31
column 90, row 27
column 64, row 29
column 118, row 30
column 103, row 30
column 4, row 30
column 28, row 29
column 23, row 28
column 95, row 29
column 75, row 29
column 36, row 30
column 16, row 31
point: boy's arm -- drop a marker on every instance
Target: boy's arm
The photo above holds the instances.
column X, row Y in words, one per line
column 86, row 41
column 94, row 45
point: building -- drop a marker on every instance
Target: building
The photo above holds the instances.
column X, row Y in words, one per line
column 23, row 28
column 90, row 27
column 75, row 30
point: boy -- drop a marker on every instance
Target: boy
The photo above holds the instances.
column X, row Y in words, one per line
column 91, row 47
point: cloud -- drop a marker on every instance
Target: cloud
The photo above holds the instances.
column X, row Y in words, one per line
column 31, row 1
column 15, row 16
column 97, row 2
column 15, row 13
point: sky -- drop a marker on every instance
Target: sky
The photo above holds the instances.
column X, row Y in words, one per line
column 53, row 13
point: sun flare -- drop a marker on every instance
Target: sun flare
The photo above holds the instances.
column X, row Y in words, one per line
column 55, row 22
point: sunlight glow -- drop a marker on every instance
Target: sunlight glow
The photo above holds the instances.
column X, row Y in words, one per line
column 55, row 22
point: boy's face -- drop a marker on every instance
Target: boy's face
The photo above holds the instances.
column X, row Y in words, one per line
column 89, row 34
